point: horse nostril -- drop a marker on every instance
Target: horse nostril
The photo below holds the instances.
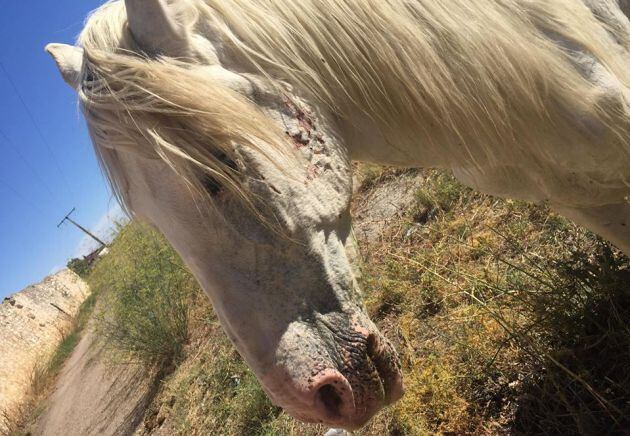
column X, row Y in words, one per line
column 331, row 400
column 372, row 345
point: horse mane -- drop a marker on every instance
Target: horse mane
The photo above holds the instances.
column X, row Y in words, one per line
column 473, row 82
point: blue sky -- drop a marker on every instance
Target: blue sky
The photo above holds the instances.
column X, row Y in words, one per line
column 47, row 165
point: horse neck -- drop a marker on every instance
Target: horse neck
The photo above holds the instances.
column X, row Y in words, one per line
column 366, row 141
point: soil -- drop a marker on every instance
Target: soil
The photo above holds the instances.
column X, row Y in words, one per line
column 95, row 397
column 374, row 210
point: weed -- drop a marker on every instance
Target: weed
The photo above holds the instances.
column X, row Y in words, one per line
column 148, row 294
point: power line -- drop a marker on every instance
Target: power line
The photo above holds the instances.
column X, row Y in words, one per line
column 17, row 151
column 37, row 129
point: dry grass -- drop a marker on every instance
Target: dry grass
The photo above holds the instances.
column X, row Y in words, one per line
column 510, row 319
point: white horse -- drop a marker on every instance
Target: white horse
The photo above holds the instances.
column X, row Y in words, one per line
column 231, row 124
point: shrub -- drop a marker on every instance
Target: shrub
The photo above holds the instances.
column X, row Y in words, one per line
column 80, row 267
column 508, row 318
column 147, row 294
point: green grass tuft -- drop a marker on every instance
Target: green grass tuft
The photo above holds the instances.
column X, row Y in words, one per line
column 148, row 294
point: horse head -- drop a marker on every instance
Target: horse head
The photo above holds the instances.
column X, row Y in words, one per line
column 251, row 185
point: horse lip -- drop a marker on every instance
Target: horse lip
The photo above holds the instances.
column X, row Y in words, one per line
column 386, row 363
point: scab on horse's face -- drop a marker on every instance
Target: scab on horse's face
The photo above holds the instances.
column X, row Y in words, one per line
column 285, row 293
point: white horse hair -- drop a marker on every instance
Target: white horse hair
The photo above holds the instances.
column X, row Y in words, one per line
column 270, row 100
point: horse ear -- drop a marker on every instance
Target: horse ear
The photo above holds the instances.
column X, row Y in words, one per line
column 69, row 60
column 156, row 27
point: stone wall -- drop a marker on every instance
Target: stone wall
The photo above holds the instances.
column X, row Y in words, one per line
column 31, row 325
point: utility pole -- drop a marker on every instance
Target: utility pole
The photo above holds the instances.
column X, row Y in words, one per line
column 83, row 229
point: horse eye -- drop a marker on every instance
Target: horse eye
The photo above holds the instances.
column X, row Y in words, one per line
column 89, row 80
column 211, row 185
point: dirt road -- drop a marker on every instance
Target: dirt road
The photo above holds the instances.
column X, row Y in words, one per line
column 93, row 397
